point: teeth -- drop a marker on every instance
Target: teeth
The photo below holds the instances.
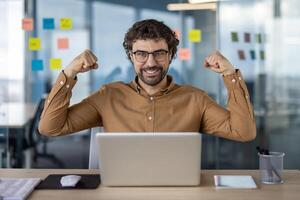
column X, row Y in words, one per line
column 151, row 71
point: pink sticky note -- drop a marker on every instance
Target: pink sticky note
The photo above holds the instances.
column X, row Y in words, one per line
column 62, row 43
column 27, row 24
column 184, row 54
column 177, row 33
column 241, row 55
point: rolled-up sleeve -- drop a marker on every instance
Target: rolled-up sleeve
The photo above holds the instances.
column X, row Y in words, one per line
column 237, row 121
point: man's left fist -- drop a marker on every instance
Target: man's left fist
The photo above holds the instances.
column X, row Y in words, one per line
column 218, row 63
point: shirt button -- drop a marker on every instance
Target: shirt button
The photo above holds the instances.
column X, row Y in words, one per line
column 61, row 82
column 151, row 98
column 240, row 78
column 150, row 118
column 233, row 80
column 68, row 86
column 48, row 101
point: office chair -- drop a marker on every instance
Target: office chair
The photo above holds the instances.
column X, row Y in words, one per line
column 35, row 138
column 93, row 156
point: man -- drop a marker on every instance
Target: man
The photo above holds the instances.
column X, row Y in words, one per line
column 152, row 102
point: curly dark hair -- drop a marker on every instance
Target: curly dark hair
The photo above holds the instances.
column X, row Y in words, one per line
column 150, row 29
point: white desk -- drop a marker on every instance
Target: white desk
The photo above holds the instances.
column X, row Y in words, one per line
column 289, row 190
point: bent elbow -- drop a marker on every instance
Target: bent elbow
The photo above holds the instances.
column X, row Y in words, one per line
column 47, row 131
column 250, row 137
column 248, row 133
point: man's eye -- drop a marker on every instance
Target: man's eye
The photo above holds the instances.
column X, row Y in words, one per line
column 140, row 53
column 159, row 53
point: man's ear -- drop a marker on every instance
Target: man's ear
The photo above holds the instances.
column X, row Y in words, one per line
column 131, row 57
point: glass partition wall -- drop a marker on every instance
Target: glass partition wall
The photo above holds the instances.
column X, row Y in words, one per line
column 12, row 71
column 260, row 37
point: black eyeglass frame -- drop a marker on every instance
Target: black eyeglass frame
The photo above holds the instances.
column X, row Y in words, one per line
column 153, row 53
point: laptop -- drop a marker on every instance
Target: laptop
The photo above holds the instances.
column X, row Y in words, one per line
column 149, row 159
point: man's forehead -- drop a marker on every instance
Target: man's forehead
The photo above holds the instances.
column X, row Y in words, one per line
column 150, row 44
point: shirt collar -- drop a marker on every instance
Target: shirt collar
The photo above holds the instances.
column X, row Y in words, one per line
column 170, row 85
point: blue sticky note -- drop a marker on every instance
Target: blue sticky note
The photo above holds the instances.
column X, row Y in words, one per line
column 48, row 23
column 37, row 65
column 252, row 54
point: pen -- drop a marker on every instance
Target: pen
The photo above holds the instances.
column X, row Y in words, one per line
column 268, row 164
column 274, row 170
column 270, row 167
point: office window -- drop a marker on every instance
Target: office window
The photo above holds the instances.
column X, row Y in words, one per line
column 11, row 51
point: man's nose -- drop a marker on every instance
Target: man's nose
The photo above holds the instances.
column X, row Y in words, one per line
column 151, row 62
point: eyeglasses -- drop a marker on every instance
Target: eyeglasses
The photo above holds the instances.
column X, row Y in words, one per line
column 142, row 56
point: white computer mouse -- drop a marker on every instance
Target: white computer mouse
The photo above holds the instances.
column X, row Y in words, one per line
column 69, row 180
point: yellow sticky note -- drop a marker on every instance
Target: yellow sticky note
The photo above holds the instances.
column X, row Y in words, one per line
column 34, row 44
column 55, row 63
column 66, row 23
column 195, row 35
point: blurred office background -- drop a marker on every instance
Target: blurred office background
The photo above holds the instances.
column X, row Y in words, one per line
column 260, row 37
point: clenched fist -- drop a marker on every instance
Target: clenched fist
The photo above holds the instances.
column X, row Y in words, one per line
column 84, row 62
column 218, row 63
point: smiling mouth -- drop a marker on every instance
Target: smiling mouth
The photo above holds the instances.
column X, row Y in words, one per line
column 152, row 71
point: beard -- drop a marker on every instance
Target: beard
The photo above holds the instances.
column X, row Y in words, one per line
column 152, row 75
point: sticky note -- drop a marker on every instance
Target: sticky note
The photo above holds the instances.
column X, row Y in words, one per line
column 252, row 54
column 195, row 35
column 34, row 44
column 177, row 33
column 184, row 54
column 27, row 24
column 247, row 37
column 62, row 43
column 241, row 55
column 258, row 38
column 66, row 23
column 234, row 37
column 55, row 63
column 48, row 23
column 262, row 55
column 37, row 65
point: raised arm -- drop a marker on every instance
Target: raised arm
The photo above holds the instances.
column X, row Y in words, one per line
column 237, row 121
column 57, row 117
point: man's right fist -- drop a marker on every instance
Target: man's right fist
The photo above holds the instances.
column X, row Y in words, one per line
column 84, row 62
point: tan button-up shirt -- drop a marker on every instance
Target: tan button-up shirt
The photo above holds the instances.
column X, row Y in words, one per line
column 120, row 107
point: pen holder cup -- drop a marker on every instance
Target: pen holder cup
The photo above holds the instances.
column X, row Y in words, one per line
column 271, row 167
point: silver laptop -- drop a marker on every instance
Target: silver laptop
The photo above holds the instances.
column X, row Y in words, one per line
column 149, row 159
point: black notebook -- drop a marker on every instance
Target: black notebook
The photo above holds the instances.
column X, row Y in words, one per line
column 87, row 181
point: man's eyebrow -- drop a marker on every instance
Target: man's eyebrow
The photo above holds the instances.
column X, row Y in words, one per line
column 139, row 50
column 149, row 51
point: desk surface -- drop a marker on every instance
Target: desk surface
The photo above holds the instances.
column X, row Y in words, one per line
column 289, row 190
column 15, row 115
